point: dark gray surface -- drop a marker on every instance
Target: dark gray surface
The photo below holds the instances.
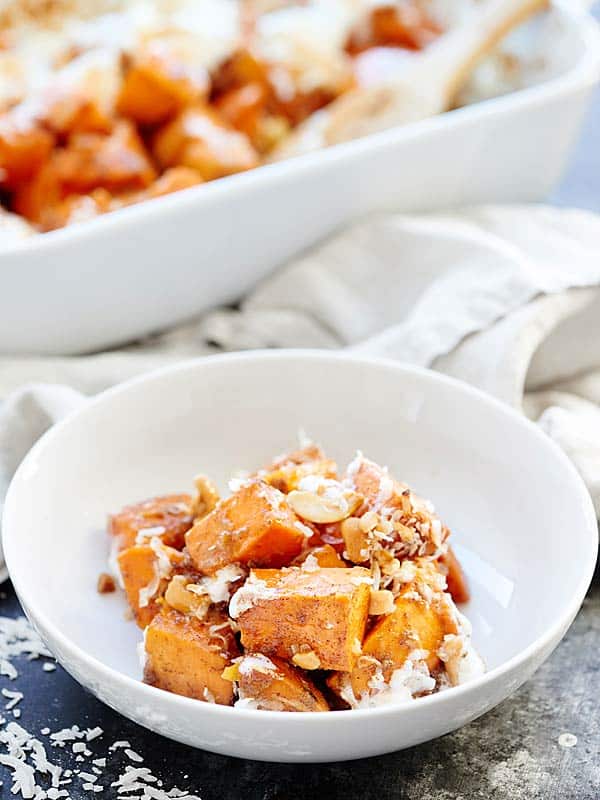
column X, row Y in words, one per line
column 511, row 753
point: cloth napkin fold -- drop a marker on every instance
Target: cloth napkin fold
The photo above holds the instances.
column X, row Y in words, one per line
column 504, row 297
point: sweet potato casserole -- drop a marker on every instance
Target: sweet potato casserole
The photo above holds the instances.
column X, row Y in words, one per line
column 142, row 99
column 303, row 590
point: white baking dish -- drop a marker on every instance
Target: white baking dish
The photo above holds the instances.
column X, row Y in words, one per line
column 149, row 266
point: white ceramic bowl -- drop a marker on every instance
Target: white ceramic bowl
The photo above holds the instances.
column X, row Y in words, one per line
column 149, row 266
column 522, row 519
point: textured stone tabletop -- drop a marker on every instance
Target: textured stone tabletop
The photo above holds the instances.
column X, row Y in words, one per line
column 512, row 753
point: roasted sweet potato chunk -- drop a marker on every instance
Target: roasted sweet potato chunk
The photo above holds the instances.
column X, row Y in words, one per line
column 405, row 25
column 157, row 85
column 415, row 624
column 373, row 482
column 74, row 112
column 291, row 613
column 273, row 685
column 187, row 656
column 23, row 150
column 243, row 108
column 117, row 161
column 167, row 517
column 39, row 199
column 417, row 529
column 199, row 138
column 325, row 556
column 146, row 572
column 253, row 526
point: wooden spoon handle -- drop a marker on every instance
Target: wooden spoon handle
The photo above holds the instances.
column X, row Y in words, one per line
column 425, row 87
column 450, row 61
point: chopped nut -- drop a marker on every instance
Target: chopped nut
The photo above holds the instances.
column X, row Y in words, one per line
column 318, row 508
column 308, row 660
column 382, row 602
column 206, row 498
column 356, row 540
column 369, row 521
column 387, row 563
column 181, row 597
column 106, row 583
column 231, row 673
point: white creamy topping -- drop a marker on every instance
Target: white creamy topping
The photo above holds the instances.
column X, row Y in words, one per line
column 460, row 658
column 411, row 679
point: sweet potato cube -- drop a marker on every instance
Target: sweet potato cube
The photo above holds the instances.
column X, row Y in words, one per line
column 39, row 198
column 253, row 526
column 23, row 150
column 157, row 86
column 243, row 108
column 145, row 575
column 406, row 25
column 117, row 161
column 383, row 492
column 413, row 625
column 200, row 139
column 274, row 685
column 187, row 656
column 374, row 483
column 173, row 180
column 292, row 612
column 326, row 556
column 167, row 517
column 69, row 111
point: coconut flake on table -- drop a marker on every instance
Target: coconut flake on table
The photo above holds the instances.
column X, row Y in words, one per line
column 17, row 638
column 13, row 698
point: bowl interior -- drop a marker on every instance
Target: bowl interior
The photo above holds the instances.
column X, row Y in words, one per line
column 519, row 517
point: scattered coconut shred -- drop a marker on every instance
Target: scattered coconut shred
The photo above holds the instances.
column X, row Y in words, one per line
column 34, row 775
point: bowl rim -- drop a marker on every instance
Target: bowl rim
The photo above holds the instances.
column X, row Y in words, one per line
column 545, row 641
column 584, row 72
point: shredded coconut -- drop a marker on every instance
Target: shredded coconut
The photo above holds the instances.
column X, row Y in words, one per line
column 133, row 756
column 13, row 697
column 148, row 533
column 218, row 587
column 407, row 682
column 256, row 663
column 246, row 596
